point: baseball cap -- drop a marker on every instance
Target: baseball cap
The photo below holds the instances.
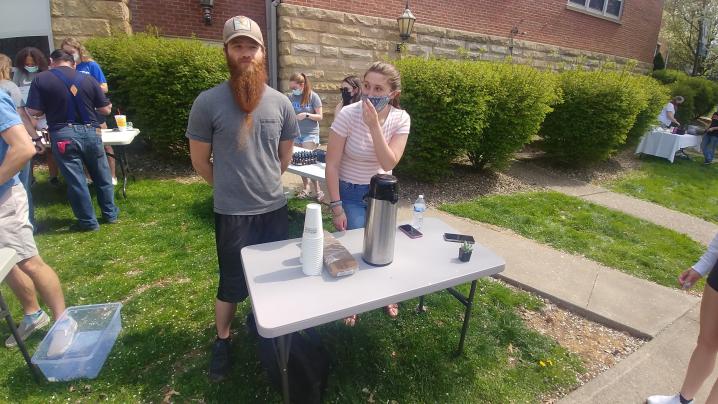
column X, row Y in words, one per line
column 242, row 26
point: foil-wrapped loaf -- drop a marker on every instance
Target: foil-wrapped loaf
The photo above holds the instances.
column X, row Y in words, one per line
column 337, row 259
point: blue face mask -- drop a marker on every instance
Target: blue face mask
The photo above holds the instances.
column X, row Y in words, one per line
column 297, row 92
column 32, row 69
column 379, row 103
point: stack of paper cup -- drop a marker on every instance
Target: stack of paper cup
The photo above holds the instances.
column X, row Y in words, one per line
column 312, row 240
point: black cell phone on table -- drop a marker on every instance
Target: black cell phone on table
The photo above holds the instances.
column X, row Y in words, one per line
column 458, row 238
column 410, row 231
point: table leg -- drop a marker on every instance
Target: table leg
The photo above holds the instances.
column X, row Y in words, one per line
column 5, row 312
column 421, row 308
column 468, row 304
column 124, row 168
column 282, row 346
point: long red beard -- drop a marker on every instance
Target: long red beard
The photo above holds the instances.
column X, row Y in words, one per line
column 247, row 86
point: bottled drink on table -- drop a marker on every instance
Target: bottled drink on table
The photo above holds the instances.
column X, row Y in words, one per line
column 419, row 208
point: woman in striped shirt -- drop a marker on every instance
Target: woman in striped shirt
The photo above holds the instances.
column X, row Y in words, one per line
column 366, row 138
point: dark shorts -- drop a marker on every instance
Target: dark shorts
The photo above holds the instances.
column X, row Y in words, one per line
column 234, row 232
column 713, row 278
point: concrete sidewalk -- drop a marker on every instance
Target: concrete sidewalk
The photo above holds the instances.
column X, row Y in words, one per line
column 693, row 227
column 657, row 368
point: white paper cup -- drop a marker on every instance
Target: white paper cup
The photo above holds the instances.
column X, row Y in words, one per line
column 313, row 221
column 312, row 256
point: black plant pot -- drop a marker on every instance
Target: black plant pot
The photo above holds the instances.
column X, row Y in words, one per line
column 464, row 256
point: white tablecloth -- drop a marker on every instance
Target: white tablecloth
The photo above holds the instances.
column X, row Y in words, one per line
column 661, row 143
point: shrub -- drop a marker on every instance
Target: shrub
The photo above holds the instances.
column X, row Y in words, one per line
column 155, row 80
column 448, row 109
column 656, row 96
column 700, row 94
column 519, row 99
column 668, row 76
column 593, row 121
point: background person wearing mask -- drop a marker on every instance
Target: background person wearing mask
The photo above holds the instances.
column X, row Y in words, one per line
column 71, row 102
column 351, row 92
column 667, row 117
column 308, row 107
column 85, row 64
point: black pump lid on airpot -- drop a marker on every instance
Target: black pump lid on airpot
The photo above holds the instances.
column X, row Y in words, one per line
column 384, row 187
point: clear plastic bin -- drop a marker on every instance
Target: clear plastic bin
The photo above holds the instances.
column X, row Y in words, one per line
column 79, row 342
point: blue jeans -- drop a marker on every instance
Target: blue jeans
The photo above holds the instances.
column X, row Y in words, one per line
column 73, row 147
column 352, row 196
column 708, row 145
column 26, row 179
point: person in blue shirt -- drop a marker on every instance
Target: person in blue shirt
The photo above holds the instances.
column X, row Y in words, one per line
column 30, row 271
column 85, row 64
column 71, row 102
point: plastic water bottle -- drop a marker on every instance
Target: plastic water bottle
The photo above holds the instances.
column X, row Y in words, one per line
column 419, row 208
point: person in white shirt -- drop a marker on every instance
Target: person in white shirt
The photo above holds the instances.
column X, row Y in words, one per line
column 668, row 113
column 703, row 358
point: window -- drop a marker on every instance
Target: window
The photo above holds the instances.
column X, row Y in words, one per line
column 605, row 8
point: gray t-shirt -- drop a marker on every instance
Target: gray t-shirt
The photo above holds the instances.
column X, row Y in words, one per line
column 11, row 89
column 23, row 79
column 247, row 181
column 307, row 126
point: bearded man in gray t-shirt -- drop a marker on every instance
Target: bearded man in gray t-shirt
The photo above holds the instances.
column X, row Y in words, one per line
column 248, row 129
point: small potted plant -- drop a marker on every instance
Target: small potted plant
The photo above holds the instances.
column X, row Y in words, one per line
column 465, row 252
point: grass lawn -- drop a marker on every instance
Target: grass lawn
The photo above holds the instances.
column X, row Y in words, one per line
column 615, row 239
column 160, row 262
column 687, row 186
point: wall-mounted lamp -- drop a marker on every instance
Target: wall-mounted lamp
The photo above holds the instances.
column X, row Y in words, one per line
column 207, row 11
column 406, row 26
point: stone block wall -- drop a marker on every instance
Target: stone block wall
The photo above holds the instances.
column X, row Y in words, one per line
column 86, row 18
column 329, row 45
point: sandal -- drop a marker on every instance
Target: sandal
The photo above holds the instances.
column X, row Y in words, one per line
column 392, row 310
column 303, row 195
column 351, row 320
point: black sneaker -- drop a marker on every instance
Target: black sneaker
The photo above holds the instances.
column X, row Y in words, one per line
column 221, row 362
column 77, row 227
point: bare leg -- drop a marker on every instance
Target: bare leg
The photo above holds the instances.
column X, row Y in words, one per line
column 21, row 285
column 305, row 181
column 223, row 315
column 704, row 355
column 111, row 160
column 51, row 165
column 46, row 282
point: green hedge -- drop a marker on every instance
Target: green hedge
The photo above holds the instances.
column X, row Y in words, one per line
column 155, row 80
column 480, row 110
column 448, row 109
column 520, row 97
column 656, row 96
column 668, row 76
column 599, row 109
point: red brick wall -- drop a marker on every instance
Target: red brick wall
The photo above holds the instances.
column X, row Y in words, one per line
column 184, row 17
column 544, row 21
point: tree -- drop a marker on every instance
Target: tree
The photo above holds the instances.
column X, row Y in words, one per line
column 691, row 27
column 658, row 62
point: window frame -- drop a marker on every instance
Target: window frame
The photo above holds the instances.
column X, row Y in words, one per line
column 600, row 14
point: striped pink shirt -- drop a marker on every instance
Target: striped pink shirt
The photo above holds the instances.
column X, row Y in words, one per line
column 359, row 162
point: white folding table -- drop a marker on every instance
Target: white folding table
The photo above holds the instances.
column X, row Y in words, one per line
column 120, row 139
column 661, row 143
column 284, row 300
column 313, row 171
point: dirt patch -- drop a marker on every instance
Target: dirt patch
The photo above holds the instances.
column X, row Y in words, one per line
column 598, row 346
